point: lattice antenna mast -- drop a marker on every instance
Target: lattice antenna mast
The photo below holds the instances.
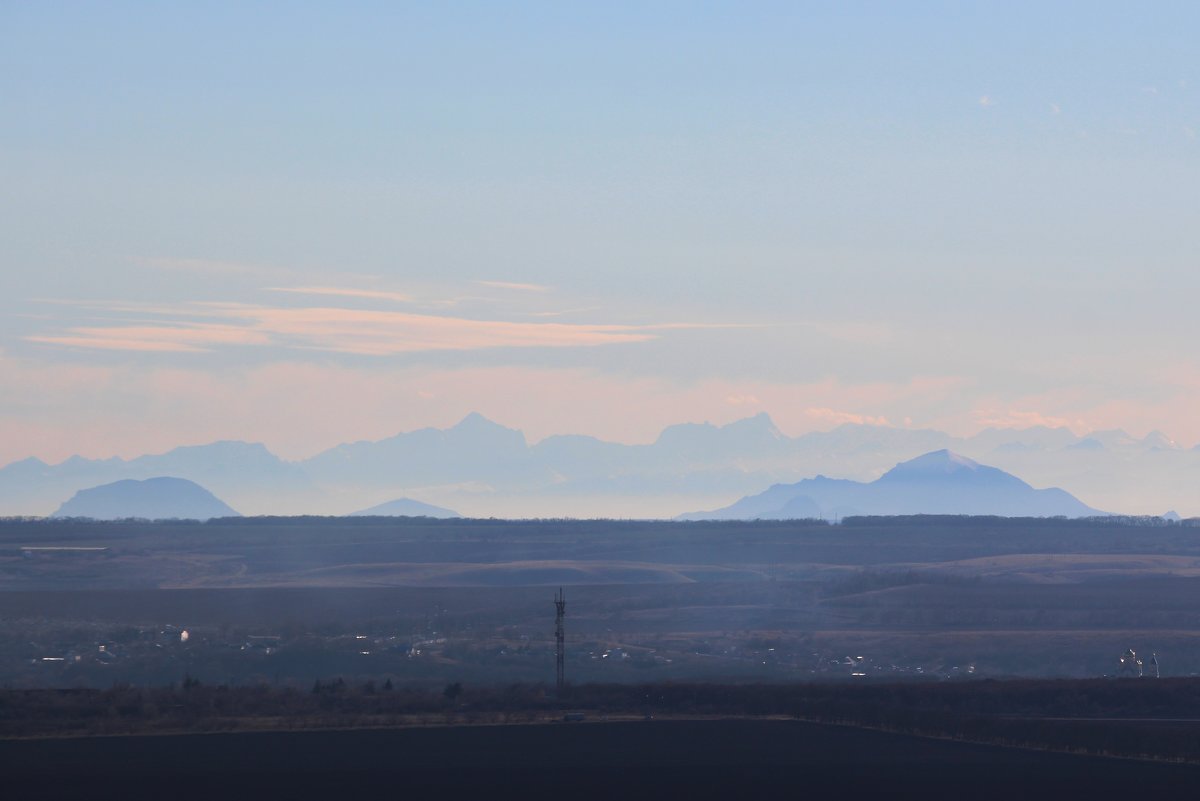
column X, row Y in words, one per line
column 560, row 639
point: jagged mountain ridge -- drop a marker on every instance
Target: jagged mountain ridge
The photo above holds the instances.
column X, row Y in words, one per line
column 239, row 471
column 476, row 449
column 485, row 468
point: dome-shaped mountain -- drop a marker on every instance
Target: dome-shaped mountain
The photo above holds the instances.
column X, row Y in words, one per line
column 153, row 499
column 407, row 507
column 947, row 466
column 941, row 482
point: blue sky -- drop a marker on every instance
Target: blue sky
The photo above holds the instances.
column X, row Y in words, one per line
column 310, row 223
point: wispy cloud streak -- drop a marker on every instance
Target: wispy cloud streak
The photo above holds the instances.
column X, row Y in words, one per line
column 344, row 292
column 207, row 326
column 155, row 338
column 515, row 286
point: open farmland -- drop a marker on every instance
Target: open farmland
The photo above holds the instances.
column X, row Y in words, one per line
column 295, row 600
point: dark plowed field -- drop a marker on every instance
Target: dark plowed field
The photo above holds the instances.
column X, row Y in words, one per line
column 675, row 759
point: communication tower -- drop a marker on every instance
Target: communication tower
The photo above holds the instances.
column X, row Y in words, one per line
column 560, row 639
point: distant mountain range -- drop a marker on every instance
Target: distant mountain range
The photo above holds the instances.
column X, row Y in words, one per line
column 485, row 469
column 153, row 499
column 407, row 507
column 941, row 482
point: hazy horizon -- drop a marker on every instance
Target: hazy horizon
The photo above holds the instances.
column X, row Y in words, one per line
column 482, row 468
column 1014, row 430
column 309, row 226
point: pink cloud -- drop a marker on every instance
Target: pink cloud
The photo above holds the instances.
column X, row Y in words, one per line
column 514, row 285
column 743, row 400
column 57, row 410
column 1014, row 418
column 135, row 409
column 833, row 416
column 371, row 294
column 154, row 338
column 381, row 333
column 356, row 331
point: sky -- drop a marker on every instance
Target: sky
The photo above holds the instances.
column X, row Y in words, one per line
column 304, row 224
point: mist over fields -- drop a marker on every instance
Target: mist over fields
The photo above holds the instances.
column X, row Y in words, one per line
column 429, row 601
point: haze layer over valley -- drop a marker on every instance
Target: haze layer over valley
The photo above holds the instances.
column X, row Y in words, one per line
column 480, row 468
